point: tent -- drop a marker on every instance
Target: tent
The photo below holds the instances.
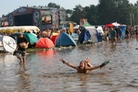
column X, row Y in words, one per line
column 65, row 39
column 92, row 31
column 84, row 36
column 123, row 29
column 44, row 43
column 54, row 38
column 76, row 27
column 31, row 38
column 7, row 44
column 100, row 30
column 87, row 24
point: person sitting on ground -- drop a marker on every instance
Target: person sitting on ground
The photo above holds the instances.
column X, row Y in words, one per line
column 84, row 66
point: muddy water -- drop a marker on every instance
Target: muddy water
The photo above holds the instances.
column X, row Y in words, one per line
column 45, row 73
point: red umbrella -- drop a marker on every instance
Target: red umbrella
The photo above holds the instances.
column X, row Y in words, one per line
column 109, row 25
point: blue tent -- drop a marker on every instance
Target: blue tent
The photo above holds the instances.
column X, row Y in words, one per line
column 99, row 38
column 123, row 29
column 84, row 36
column 65, row 39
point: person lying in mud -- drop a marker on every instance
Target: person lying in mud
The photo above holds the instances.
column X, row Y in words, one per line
column 84, row 66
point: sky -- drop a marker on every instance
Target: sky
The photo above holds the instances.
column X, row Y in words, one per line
column 7, row 6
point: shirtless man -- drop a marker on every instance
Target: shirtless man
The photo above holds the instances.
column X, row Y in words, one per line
column 84, row 66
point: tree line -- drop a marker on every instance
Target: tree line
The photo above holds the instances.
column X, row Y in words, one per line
column 107, row 11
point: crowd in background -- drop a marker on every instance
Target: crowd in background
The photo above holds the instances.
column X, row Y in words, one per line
column 112, row 34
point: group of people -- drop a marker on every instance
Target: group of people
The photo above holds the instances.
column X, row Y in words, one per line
column 114, row 34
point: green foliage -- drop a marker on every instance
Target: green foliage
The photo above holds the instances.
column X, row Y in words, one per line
column 53, row 5
column 78, row 12
column 107, row 11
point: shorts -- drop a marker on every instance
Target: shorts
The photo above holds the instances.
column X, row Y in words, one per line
column 20, row 53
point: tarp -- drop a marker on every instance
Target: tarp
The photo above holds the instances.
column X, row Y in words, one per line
column 65, row 39
column 44, row 43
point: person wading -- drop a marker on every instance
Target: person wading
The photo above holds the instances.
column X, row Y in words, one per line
column 20, row 52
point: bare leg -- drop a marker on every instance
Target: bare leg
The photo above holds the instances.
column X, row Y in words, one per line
column 24, row 63
column 21, row 60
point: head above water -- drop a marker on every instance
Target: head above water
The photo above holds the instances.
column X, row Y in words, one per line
column 82, row 64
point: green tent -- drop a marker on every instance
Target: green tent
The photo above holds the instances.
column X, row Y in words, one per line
column 31, row 38
column 87, row 24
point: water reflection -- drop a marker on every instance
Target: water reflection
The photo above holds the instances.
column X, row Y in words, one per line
column 46, row 53
column 23, row 83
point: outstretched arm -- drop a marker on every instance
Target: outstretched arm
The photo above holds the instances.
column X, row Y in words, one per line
column 92, row 68
column 96, row 67
column 68, row 64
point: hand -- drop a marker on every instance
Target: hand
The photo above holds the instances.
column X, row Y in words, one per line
column 104, row 63
column 62, row 60
column 87, row 60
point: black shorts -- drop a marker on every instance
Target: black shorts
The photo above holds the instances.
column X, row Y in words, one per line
column 20, row 53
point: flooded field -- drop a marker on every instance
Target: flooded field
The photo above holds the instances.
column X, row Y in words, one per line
column 45, row 73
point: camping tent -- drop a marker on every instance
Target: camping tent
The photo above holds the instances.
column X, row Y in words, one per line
column 92, row 31
column 7, row 44
column 123, row 29
column 65, row 39
column 31, row 38
column 44, row 43
column 100, row 30
column 84, row 36
column 54, row 38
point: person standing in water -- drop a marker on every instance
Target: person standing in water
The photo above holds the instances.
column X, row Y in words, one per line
column 84, row 66
column 20, row 52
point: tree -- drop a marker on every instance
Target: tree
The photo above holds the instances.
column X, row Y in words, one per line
column 114, row 10
column 53, row 5
column 92, row 14
column 69, row 14
column 78, row 12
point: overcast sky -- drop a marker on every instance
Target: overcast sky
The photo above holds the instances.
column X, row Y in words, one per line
column 7, row 6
